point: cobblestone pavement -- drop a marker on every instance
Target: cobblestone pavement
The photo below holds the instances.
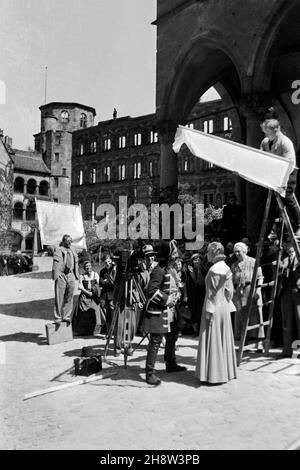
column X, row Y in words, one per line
column 259, row 410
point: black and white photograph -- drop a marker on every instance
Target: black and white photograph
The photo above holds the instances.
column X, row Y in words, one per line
column 149, row 228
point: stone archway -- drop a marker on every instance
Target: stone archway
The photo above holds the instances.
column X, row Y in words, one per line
column 205, row 64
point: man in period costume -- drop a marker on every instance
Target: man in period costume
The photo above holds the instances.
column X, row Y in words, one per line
column 150, row 263
column 160, row 320
column 64, row 272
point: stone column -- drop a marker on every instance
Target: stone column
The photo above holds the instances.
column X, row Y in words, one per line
column 24, row 212
column 168, row 164
column 254, row 107
column 23, row 244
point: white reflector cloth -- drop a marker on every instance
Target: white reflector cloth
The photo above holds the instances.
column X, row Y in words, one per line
column 56, row 220
column 262, row 168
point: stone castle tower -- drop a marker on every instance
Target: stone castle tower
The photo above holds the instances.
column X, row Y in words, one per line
column 54, row 141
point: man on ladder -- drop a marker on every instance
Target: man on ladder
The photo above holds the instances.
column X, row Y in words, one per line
column 279, row 144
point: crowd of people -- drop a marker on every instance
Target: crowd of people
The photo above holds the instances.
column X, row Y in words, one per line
column 202, row 294
column 205, row 293
column 16, row 263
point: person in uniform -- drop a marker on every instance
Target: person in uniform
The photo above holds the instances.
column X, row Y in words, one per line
column 160, row 320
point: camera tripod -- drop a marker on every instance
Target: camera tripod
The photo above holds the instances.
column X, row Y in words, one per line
column 124, row 315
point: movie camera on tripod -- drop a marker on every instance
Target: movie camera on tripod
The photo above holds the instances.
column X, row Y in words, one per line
column 129, row 301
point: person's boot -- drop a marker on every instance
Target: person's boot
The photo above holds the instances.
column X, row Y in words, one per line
column 174, row 368
column 152, row 379
column 170, row 357
column 153, row 347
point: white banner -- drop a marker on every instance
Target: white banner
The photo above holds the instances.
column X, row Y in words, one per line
column 56, row 220
column 262, row 168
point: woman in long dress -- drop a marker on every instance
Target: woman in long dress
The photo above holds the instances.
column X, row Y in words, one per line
column 87, row 319
column 216, row 359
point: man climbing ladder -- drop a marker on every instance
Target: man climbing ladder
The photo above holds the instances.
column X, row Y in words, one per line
column 279, row 144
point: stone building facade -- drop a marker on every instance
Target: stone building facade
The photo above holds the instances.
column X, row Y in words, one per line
column 31, row 181
column 117, row 157
column 248, row 50
column 121, row 157
column 6, row 194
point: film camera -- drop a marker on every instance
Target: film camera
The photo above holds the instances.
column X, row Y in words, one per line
column 130, row 261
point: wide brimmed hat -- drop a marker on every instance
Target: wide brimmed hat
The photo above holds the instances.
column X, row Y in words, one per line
column 148, row 250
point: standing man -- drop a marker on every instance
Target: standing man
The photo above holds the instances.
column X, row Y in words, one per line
column 160, row 320
column 150, row 263
column 64, row 272
column 107, row 283
column 290, row 299
column 232, row 220
column 279, row 144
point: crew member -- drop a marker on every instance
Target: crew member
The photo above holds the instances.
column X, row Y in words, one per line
column 64, row 272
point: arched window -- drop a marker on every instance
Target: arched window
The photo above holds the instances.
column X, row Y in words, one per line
column 208, row 126
column 153, row 137
column 107, row 144
column 31, row 186
column 83, row 120
column 150, row 169
column 93, row 175
column 65, row 116
column 19, row 185
column 29, row 242
column 30, row 211
column 137, row 139
column 121, row 172
column 122, row 141
column 137, row 170
column 18, row 211
column 43, row 189
column 106, row 171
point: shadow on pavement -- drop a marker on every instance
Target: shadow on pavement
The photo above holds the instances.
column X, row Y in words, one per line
column 25, row 338
column 36, row 309
column 35, row 275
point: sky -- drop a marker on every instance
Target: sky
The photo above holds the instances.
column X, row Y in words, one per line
column 97, row 52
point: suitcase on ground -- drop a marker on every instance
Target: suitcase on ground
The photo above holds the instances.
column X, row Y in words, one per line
column 58, row 334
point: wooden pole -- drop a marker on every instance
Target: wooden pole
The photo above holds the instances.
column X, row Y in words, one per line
column 68, row 385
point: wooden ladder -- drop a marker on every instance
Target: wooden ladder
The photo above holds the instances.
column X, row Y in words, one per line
column 274, row 283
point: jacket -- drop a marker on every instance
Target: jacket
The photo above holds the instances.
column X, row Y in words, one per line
column 157, row 319
column 290, row 280
column 59, row 260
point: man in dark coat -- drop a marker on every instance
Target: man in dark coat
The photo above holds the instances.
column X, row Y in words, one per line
column 290, row 299
column 159, row 319
column 64, row 272
column 232, row 221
